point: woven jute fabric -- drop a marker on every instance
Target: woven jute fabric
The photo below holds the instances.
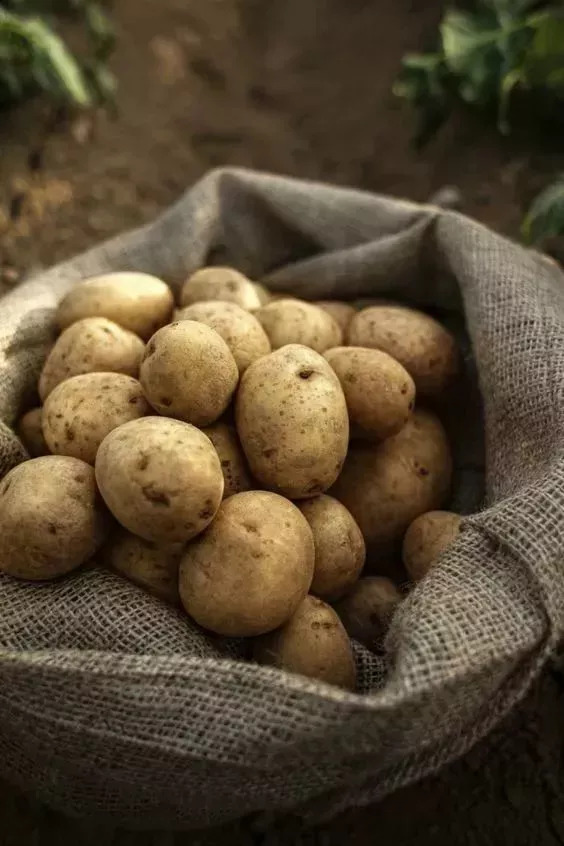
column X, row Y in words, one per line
column 115, row 705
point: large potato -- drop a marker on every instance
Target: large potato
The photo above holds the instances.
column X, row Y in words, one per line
column 188, row 372
column 89, row 346
column 292, row 420
column 426, row 349
column 137, row 301
column 220, row 283
column 339, row 546
column 386, row 486
column 82, row 410
column 297, row 322
column 51, row 517
column 236, row 474
column 312, row 643
column 160, row 478
column 426, row 539
column 151, row 566
column 366, row 611
column 250, row 570
column 242, row 332
column 380, row 393
column 30, row 433
column 342, row 313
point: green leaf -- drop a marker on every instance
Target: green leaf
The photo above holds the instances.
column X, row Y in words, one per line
column 422, row 82
column 544, row 62
column 546, row 214
column 470, row 44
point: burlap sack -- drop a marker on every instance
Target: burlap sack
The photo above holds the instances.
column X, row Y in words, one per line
column 114, row 704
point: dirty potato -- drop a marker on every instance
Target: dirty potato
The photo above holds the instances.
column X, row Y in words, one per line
column 342, row 313
column 30, row 433
column 151, row 566
column 426, row 539
column 236, row 474
column 297, row 322
column 220, row 283
column 367, row 609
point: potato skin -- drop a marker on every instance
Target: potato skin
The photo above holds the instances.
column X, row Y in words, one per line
column 151, row 566
column 366, row 611
column 340, row 551
column 380, row 393
column 426, row 539
column 51, row 517
column 250, row 570
column 342, row 313
column 136, row 301
column 292, row 421
column 264, row 294
column 312, row 643
column 160, row 478
column 423, row 346
column 188, row 372
column 386, row 486
column 293, row 321
column 30, row 433
column 220, row 283
column 242, row 332
column 82, row 410
column 236, row 474
column 89, row 346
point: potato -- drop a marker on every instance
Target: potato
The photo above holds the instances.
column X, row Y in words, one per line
column 292, row 421
column 82, row 410
column 220, row 283
column 366, row 611
column 297, row 322
column 339, row 546
column 236, row 474
column 386, row 486
column 136, row 301
column 160, row 478
column 426, row 539
column 30, row 433
column 242, row 332
column 380, row 393
column 189, row 372
column 342, row 313
column 89, row 346
column 151, row 566
column 426, row 349
column 263, row 292
column 250, row 570
column 51, row 517
column 312, row 643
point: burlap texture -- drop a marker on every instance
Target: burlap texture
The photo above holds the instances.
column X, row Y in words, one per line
column 113, row 704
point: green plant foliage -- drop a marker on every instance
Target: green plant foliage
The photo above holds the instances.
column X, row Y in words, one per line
column 546, row 214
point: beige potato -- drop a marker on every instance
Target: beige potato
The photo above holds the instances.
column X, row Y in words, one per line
column 30, row 433
column 342, row 313
column 151, row 566
column 92, row 345
column 51, row 517
column 250, row 570
column 339, row 546
column 312, row 643
column 82, row 410
column 386, row 486
column 292, row 421
column 188, row 372
column 236, row 473
column 263, row 292
column 423, row 346
column 160, row 478
column 220, row 283
column 380, row 393
column 242, row 332
column 136, row 301
column 297, row 322
column 426, row 539
column 366, row 611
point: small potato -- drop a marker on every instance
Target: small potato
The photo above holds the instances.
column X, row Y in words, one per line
column 366, row 611
column 82, row 410
column 342, row 313
column 426, row 539
column 92, row 345
column 297, row 322
column 220, row 283
column 426, row 349
column 380, row 393
column 292, row 421
column 51, row 517
column 30, row 433
column 136, row 301
column 242, row 332
column 236, row 474
column 249, row 572
column 151, row 566
column 160, row 478
column 339, row 546
column 312, row 643
column 263, row 292
column 188, row 372
column 386, row 486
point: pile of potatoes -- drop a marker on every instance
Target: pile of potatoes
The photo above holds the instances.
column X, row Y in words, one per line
column 260, row 461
